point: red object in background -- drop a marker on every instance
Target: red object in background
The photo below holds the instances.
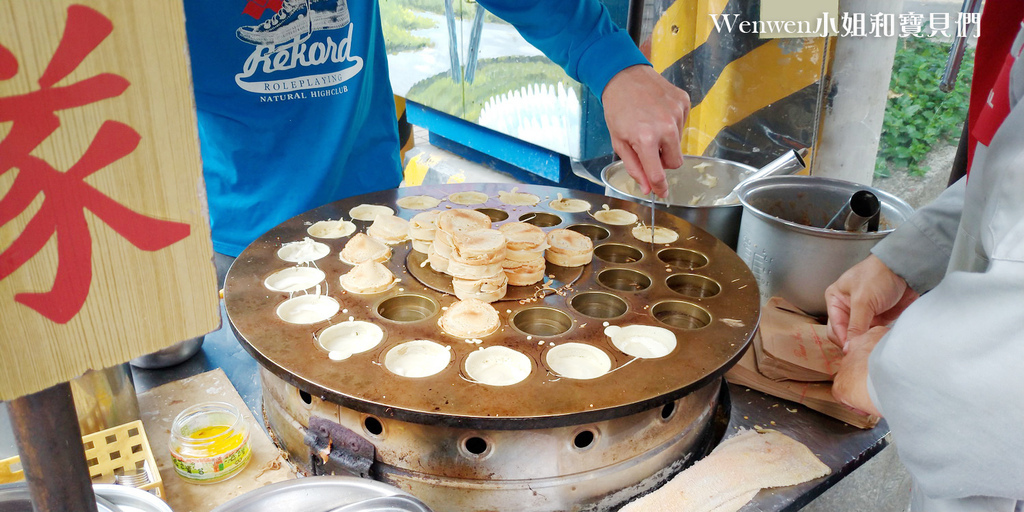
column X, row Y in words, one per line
column 66, row 194
column 1000, row 22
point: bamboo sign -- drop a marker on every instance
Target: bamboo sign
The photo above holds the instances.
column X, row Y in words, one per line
column 105, row 251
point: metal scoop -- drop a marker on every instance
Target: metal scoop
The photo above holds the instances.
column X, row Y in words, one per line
column 788, row 163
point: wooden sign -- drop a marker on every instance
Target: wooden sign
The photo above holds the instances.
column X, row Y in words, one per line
column 105, row 251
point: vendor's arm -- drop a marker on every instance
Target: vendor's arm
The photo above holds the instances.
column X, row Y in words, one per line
column 909, row 261
column 645, row 113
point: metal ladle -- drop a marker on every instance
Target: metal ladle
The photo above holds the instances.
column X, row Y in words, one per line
column 788, row 163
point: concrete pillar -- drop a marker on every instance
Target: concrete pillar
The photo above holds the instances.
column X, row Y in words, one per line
column 860, row 85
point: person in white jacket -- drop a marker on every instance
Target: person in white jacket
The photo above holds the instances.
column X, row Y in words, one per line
column 948, row 373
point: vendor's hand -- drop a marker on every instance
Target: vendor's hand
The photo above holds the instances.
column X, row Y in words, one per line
column 867, row 295
column 645, row 115
column 850, row 385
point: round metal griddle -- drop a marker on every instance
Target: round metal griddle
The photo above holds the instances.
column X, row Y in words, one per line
column 696, row 287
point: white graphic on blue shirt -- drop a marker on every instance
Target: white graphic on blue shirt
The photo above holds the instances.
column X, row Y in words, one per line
column 282, row 44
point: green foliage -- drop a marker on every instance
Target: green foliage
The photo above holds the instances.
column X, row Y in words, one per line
column 397, row 22
column 493, row 77
column 918, row 115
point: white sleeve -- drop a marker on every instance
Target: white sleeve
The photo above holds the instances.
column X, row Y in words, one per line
column 919, row 249
column 949, row 379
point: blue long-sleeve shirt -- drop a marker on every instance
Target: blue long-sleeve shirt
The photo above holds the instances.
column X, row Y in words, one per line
column 295, row 106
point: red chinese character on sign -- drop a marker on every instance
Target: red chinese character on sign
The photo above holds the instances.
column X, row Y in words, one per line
column 66, row 195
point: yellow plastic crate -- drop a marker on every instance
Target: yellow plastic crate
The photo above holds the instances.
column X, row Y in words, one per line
column 108, row 453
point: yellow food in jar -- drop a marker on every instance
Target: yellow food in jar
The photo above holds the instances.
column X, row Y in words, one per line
column 218, row 443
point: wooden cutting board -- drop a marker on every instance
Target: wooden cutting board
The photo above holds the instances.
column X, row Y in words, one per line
column 158, row 408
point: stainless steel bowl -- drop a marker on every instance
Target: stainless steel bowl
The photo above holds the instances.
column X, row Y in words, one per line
column 170, row 356
column 691, row 190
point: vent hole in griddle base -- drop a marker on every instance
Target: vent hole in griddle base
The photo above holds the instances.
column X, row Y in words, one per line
column 476, row 446
column 584, row 439
column 373, row 426
column 668, row 410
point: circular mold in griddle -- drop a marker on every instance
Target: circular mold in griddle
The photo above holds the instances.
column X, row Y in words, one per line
column 681, row 315
column 308, row 309
column 598, row 305
column 303, row 251
column 468, row 198
column 642, row 341
column 578, row 361
column 331, row 229
column 447, row 398
column 294, row 279
column 495, row 214
column 498, row 366
column 418, row 202
column 693, row 285
column 540, row 219
column 593, row 232
column 618, row 253
column 407, row 308
column 368, row 212
column 417, row 359
column 570, row 205
column 352, row 337
column 624, row 280
column 684, row 258
column 657, row 234
column 541, row 321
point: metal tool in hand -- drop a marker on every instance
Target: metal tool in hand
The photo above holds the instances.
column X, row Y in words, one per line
column 652, row 220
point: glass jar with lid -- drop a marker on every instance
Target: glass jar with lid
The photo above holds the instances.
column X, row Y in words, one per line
column 209, row 443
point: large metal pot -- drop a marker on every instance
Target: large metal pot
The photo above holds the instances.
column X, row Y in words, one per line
column 782, row 240
column 696, row 190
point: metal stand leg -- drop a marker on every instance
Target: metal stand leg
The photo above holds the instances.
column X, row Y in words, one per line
column 50, row 444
